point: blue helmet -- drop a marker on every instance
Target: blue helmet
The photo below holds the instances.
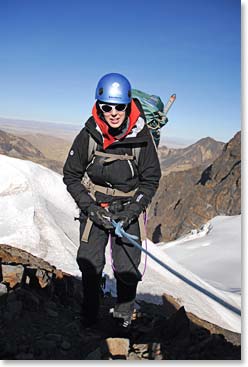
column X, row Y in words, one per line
column 113, row 88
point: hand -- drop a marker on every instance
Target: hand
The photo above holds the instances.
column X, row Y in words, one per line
column 128, row 215
column 118, row 205
column 100, row 216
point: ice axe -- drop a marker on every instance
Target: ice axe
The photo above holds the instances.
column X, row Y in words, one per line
column 169, row 104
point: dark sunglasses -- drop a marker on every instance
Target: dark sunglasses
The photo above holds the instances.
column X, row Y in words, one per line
column 108, row 108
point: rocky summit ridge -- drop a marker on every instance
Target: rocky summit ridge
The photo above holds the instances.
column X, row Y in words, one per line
column 40, row 309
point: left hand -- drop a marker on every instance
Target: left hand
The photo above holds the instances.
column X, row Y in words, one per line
column 128, row 215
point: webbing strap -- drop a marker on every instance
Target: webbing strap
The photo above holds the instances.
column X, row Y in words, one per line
column 114, row 157
column 110, row 191
column 86, row 232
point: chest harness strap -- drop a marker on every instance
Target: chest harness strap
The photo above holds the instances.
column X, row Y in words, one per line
column 112, row 192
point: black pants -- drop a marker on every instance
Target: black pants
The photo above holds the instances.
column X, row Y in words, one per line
column 91, row 261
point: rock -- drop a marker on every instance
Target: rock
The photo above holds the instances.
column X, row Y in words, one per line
column 13, row 310
column 178, row 328
column 3, row 289
column 95, row 355
column 59, row 274
column 10, row 254
column 44, row 345
column 134, row 357
column 55, row 337
column 65, row 345
column 51, row 304
column 139, row 351
column 156, row 351
column 172, row 304
column 44, row 278
column 73, row 327
column 28, row 329
column 188, row 199
column 24, row 356
column 12, row 274
column 51, row 312
column 30, row 300
column 118, row 347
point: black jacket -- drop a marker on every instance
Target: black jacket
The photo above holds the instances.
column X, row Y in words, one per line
column 122, row 175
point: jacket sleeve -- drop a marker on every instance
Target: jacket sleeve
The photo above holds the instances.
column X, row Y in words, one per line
column 74, row 170
column 149, row 172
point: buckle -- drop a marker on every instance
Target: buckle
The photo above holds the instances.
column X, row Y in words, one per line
column 110, row 191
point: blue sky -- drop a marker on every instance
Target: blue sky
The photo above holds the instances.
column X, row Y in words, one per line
column 54, row 52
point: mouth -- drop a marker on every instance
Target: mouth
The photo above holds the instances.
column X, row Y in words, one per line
column 115, row 121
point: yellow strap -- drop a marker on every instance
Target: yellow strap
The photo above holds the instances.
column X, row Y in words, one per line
column 114, row 157
column 86, row 232
column 110, row 191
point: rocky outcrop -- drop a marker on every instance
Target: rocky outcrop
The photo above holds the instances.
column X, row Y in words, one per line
column 202, row 153
column 40, row 309
column 188, row 199
column 17, row 147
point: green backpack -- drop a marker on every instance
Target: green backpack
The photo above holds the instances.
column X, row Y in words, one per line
column 154, row 110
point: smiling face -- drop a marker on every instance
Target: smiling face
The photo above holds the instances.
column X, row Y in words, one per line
column 115, row 118
column 114, row 114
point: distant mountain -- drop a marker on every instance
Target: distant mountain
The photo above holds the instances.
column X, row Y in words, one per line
column 17, row 147
column 202, row 153
column 61, row 130
column 185, row 200
column 52, row 147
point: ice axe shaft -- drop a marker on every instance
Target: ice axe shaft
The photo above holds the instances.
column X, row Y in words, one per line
column 169, row 103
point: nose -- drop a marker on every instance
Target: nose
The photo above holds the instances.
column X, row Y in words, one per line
column 114, row 112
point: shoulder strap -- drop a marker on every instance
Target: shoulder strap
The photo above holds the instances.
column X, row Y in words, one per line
column 91, row 148
column 136, row 153
column 136, row 150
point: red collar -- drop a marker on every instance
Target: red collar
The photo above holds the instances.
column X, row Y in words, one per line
column 109, row 139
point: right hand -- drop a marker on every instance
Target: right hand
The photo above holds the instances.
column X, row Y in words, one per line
column 100, row 216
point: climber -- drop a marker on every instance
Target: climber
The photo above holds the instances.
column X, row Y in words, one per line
column 116, row 150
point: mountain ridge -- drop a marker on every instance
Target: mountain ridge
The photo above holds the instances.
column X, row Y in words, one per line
column 186, row 200
column 201, row 153
column 18, row 147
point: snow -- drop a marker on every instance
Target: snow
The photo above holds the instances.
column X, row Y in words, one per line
column 220, row 241
column 37, row 215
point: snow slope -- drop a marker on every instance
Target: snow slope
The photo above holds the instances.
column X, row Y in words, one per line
column 220, row 241
column 37, row 215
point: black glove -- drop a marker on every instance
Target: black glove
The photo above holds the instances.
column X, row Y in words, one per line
column 118, row 205
column 129, row 214
column 100, row 216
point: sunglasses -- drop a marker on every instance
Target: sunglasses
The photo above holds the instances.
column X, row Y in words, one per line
column 108, row 108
